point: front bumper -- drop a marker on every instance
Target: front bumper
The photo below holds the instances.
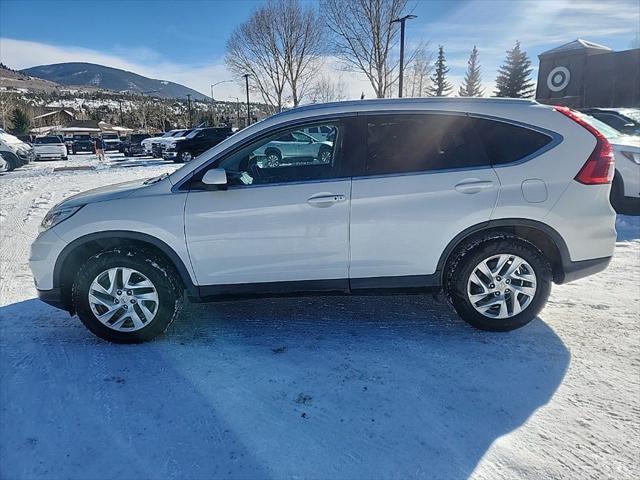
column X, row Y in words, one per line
column 169, row 154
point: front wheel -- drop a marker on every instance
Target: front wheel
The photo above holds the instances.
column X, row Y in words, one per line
column 127, row 295
column 499, row 283
column 186, row 157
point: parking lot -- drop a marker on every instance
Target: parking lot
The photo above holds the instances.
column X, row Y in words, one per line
column 325, row 387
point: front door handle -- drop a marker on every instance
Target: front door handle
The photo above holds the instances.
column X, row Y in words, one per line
column 473, row 186
column 325, row 200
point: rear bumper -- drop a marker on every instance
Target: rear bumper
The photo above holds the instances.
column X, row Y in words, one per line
column 577, row 270
column 52, row 297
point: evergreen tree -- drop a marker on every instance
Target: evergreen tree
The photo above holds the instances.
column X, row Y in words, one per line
column 439, row 85
column 514, row 75
column 20, row 121
column 471, row 85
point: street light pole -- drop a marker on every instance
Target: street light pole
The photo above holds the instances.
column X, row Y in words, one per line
column 237, row 111
column 402, row 21
column 246, row 80
column 213, row 113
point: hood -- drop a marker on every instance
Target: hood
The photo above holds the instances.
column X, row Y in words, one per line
column 101, row 194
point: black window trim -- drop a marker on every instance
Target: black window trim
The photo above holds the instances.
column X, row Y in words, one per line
column 556, row 139
column 184, row 184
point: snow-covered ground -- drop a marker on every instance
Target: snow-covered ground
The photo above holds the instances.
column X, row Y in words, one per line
column 332, row 387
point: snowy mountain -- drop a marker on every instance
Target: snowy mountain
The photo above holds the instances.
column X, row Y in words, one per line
column 92, row 75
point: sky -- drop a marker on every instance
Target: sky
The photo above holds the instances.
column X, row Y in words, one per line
column 184, row 41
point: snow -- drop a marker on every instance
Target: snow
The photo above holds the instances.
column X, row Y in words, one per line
column 326, row 387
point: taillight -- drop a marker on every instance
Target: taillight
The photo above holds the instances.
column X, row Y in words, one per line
column 599, row 167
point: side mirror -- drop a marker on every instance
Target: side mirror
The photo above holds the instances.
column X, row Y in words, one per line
column 215, row 177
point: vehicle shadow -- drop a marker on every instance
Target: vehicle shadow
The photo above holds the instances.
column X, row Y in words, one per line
column 325, row 387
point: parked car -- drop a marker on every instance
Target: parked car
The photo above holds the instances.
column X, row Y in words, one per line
column 294, row 147
column 491, row 200
column 4, row 165
column 186, row 148
column 50, row 147
column 83, row 143
column 26, row 138
column 622, row 119
column 111, row 141
column 132, row 144
column 158, row 146
column 15, row 152
column 625, row 191
column 147, row 143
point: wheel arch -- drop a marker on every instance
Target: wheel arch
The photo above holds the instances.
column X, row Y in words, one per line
column 78, row 251
column 541, row 235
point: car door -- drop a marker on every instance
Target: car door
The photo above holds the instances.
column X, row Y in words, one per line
column 426, row 178
column 287, row 223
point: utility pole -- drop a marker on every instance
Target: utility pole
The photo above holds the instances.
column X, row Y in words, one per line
column 246, row 80
column 189, row 109
column 144, row 113
column 402, row 21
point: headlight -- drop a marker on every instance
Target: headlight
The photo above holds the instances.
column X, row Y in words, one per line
column 172, row 145
column 57, row 215
column 634, row 157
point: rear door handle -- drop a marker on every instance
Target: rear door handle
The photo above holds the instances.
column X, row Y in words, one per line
column 325, row 200
column 473, row 186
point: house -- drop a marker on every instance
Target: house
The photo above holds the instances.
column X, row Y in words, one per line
column 55, row 117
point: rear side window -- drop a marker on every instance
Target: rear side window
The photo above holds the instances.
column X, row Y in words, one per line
column 422, row 142
column 506, row 143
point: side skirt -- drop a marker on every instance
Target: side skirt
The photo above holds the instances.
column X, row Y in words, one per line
column 404, row 285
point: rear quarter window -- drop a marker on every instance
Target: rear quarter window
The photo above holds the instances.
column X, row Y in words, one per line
column 507, row 143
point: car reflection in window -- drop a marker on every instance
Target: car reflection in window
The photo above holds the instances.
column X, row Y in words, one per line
column 295, row 148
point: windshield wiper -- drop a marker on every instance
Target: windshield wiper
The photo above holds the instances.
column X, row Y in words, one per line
column 153, row 180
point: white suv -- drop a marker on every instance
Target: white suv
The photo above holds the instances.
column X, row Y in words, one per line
column 489, row 199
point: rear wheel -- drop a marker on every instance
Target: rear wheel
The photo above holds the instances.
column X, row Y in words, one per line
column 273, row 158
column 499, row 283
column 185, row 156
column 127, row 295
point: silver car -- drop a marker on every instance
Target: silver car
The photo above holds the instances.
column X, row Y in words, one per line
column 295, row 147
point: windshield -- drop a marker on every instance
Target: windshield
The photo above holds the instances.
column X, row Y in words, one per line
column 138, row 137
column 109, row 136
column 82, row 137
column 632, row 114
column 44, row 140
column 194, row 133
column 609, row 132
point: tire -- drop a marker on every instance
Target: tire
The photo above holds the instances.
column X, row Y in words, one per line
column 273, row 157
column 148, row 266
column 459, row 284
column 322, row 153
column 186, row 156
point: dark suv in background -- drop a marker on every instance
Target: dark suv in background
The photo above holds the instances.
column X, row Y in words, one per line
column 199, row 140
column 82, row 143
column 132, row 144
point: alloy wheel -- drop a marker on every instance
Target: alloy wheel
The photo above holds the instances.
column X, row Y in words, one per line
column 501, row 286
column 123, row 299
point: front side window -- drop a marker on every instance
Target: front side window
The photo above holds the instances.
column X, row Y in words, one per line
column 422, row 142
column 287, row 156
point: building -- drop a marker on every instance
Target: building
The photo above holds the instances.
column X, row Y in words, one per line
column 55, row 117
column 584, row 74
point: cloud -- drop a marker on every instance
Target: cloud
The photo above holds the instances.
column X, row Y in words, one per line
column 19, row 54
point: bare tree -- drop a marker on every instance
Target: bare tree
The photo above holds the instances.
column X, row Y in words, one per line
column 253, row 48
column 327, row 90
column 416, row 77
column 364, row 39
column 279, row 46
column 299, row 33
